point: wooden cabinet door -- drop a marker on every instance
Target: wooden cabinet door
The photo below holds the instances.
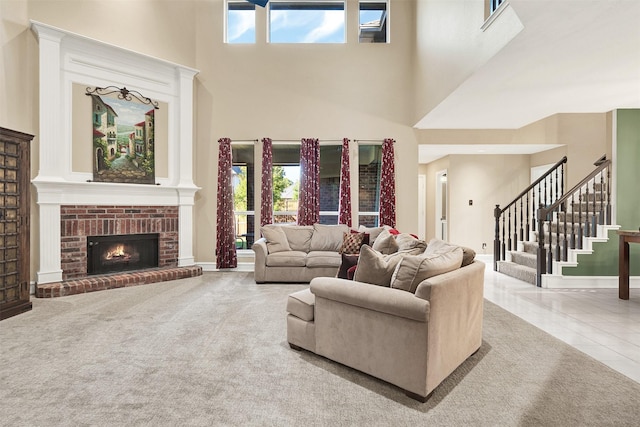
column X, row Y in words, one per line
column 14, row 223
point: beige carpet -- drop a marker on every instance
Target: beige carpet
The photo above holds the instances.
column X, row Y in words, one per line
column 212, row 351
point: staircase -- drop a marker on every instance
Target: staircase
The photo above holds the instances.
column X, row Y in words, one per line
column 532, row 244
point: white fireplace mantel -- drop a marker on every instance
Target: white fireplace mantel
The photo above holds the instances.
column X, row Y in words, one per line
column 67, row 58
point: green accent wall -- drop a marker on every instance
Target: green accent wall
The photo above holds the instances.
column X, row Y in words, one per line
column 604, row 260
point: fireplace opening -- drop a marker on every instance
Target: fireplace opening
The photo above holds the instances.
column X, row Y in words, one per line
column 117, row 253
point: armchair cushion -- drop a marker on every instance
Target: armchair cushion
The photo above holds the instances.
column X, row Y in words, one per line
column 411, row 270
column 374, row 267
column 385, row 243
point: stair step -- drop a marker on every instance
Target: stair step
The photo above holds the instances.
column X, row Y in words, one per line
column 525, row 258
column 517, row 271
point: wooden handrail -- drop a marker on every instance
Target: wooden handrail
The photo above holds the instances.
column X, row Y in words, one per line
column 536, row 182
column 546, row 210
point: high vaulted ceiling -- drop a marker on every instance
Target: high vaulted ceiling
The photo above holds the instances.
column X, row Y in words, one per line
column 573, row 56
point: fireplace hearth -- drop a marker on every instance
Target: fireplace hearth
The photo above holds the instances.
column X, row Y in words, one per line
column 120, row 253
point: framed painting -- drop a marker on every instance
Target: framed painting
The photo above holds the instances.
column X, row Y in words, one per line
column 123, row 124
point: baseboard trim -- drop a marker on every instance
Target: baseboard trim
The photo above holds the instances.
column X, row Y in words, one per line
column 211, row 266
column 556, row 281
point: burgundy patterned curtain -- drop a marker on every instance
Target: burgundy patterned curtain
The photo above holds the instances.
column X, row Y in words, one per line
column 309, row 195
column 225, row 231
column 388, row 185
column 266, row 194
column 344, row 208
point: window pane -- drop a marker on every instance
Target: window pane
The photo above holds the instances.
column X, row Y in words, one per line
column 243, row 173
column 286, row 182
column 373, row 22
column 241, row 22
column 369, row 168
column 306, row 21
column 330, row 162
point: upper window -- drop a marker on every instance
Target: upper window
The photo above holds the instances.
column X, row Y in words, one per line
column 494, row 5
column 306, row 21
column 373, row 21
column 241, row 22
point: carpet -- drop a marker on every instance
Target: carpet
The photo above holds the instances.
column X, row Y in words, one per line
column 212, row 351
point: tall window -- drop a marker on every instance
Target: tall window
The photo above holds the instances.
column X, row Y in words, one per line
column 241, row 22
column 373, row 21
column 306, row 21
column 369, row 169
column 243, row 194
column 286, row 182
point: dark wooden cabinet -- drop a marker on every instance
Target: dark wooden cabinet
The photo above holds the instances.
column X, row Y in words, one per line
column 14, row 222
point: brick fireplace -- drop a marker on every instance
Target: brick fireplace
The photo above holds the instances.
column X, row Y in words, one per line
column 80, row 221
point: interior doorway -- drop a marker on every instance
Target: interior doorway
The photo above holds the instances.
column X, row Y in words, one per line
column 442, row 204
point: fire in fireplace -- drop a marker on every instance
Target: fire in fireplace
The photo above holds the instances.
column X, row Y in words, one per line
column 117, row 253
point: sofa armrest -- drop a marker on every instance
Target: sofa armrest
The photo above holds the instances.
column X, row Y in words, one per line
column 260, row 260
column 371, row 297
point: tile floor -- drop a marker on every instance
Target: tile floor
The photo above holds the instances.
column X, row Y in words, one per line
column 594, row 321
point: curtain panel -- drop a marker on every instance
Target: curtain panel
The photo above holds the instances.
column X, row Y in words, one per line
column 226, row 256
column 309, row 195
column 388, row 185
column 344, row 207
column 266, row 192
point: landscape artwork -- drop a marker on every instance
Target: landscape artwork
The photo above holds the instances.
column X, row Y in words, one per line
column 123, row 138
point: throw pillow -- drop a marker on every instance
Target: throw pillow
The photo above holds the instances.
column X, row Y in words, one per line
column 351, row 243
column 411, row 270
column 348, row 262
column 408, row 241
column 437, row 246
column 385, row 243
column 328, row 237
column 468, row 255
column 374, row 267
column 373, row 232
column 276, row 239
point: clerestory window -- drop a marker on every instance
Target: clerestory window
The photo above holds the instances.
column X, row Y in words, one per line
column 241, row 22
column 373, row 21
column 306, row 21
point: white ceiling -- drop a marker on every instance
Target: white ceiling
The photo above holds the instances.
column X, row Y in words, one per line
column 573, row 56
column 429, row 153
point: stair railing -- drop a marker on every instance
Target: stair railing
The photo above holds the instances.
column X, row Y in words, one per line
column 517, row 228
column 588, row 205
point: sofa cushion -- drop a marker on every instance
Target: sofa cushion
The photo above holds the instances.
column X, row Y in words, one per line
column 407, row 241
column 276, row 239
column 301, row 304
column 351, row 242
column 299, row 237
column 374, row 267
column 287, row 259
column 385, row 243
column 348, row 262
column 328, row 237
column 323, row 259
column 411, row 270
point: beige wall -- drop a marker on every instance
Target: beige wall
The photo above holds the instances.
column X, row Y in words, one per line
column 292, row 91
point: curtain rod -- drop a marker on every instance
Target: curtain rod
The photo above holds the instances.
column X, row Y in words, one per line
column 243, row 140
column 368, row 140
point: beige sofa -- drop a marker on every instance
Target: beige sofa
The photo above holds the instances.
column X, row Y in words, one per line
column 411, row 340
column 297, row 254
